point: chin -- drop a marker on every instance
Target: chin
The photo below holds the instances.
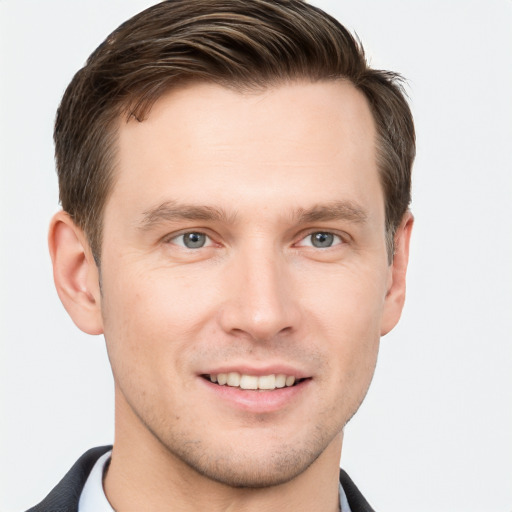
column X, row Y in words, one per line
column 239, row 465
column 243, row 471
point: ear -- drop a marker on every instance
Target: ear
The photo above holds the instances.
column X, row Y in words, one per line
column 75, row 273
column 395, row 297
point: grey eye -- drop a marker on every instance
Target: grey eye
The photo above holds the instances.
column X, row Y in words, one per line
column 194, row 240
column 322, row 239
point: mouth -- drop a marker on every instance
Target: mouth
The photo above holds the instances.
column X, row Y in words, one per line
column 253, row 382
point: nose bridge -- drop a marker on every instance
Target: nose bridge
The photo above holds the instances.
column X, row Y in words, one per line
column 261, row 303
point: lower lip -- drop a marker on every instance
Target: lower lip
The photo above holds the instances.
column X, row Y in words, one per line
column 258, row 401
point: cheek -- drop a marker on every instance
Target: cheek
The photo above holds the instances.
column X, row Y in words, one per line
column 346, row 315
column 137, row 323
column 150, row 317
column 347, row 299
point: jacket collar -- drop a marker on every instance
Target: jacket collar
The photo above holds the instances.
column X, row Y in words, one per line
column 64, row 497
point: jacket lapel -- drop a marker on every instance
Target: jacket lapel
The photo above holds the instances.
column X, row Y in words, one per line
column 355, row 499
column 64, row 497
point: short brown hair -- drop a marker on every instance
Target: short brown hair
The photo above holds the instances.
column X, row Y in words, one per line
column 239, row 44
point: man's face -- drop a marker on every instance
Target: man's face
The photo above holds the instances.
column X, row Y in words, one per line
column 244, row 239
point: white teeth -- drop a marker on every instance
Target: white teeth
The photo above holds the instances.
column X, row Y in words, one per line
column 233, row 379
column 268, row 382
column 280, row 381
column 249, row 382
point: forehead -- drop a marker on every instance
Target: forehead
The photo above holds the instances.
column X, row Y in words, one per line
column 303, row 142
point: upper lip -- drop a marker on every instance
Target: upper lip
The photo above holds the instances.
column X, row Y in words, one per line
column 258, row 371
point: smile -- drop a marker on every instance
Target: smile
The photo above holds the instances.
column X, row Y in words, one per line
column 253, row 382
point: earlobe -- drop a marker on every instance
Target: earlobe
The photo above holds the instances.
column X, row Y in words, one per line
column 75, row 273
column 395, row 298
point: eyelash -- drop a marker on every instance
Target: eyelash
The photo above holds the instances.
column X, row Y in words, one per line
column 172, row 239
column 335, row 239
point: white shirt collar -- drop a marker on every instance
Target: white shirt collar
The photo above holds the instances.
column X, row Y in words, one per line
column 93, row 497
column 344, row 506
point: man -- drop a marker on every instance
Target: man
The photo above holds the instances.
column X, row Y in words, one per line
column 235, row 183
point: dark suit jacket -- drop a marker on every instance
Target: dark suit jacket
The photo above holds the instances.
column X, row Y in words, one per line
column 65, row 495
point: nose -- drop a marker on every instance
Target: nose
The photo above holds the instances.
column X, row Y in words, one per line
column 260, row 302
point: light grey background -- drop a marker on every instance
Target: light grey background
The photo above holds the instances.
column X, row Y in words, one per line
column 435, row 432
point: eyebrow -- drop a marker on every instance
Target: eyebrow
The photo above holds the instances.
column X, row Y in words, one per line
column 173, row 211
column 170, row 211
column 336, row 210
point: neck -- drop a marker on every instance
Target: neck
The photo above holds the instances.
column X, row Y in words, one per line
column 145, row 476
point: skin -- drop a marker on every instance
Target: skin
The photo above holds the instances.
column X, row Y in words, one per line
column 272, row 167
